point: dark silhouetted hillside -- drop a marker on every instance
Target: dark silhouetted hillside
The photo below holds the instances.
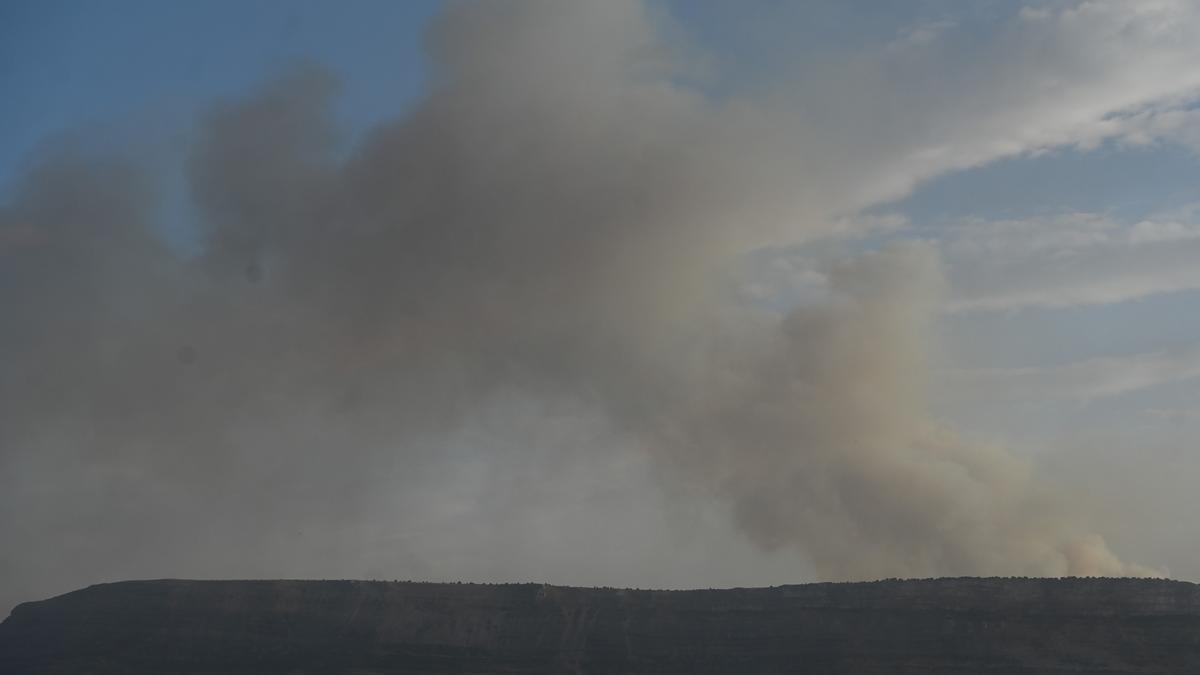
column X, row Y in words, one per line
column 298, row 627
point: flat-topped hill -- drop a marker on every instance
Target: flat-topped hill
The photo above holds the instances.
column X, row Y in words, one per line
column 962, row 625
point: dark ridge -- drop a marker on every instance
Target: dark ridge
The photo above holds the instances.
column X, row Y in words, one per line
column 963, row 625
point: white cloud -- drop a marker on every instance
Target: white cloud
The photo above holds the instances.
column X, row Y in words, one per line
column 1088, row 380
column 1034, row 14
column 839, row 133
column 1058, row 261
column 1179, row 124
column 1070, row 259
column 921, row 34
column 1177, row 415
column 1054, row 77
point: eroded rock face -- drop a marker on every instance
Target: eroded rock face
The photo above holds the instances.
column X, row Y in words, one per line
column 941, row 625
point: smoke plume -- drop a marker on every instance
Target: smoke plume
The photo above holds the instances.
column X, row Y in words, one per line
column 459, row 346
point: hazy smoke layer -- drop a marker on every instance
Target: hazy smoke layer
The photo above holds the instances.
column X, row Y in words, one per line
column 527, row 276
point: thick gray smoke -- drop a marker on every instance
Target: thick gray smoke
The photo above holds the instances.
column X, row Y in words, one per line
column 460, row 349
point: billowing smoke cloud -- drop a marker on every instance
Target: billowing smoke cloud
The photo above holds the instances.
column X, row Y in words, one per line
column 817, row 433
column 514, row 302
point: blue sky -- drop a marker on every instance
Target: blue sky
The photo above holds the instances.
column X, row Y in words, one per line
column 67, row 64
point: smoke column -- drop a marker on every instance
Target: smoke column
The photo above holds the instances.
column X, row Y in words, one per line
column 519, row 293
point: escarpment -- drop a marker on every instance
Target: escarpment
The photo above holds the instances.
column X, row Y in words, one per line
column 961, row 625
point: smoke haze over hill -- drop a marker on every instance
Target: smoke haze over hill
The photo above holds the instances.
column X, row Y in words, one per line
column 507, row 335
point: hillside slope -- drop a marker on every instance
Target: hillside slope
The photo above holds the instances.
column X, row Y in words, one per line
column 928, row 626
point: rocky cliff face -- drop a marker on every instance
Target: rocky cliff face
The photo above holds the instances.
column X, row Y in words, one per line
column 296, row 627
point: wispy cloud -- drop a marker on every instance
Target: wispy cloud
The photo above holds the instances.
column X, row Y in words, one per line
column 1057, row 76
column 1071, row 259
column 1088, row 380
